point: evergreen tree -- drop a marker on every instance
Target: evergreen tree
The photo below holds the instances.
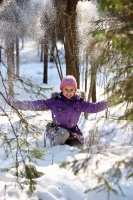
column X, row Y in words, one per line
column 117, row 34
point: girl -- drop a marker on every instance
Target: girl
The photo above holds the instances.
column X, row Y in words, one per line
column 66, row 108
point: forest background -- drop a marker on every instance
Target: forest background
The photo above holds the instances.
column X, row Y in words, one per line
column 97, row 50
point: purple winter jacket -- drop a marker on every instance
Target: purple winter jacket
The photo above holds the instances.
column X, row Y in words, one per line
column 65, row 112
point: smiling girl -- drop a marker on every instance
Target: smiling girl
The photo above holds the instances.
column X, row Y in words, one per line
column 66, row 108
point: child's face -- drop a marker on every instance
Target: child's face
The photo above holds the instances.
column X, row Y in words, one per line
column 68, row 91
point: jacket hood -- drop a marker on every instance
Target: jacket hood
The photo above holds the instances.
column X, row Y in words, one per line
column 60, row 95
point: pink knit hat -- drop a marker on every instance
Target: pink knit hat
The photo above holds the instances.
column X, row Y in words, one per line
column 68, row 80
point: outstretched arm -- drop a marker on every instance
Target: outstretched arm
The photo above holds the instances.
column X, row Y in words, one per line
column 37, row 105
column 94, row 107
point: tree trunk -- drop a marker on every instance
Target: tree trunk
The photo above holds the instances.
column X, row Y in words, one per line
column 86, row 70
column 0, row 53
column 45, row 75
column 92, row 90
column 52, row 51
column 17, row 56
column 92, row 51
column 71, row 50
column 22, row 42
column 42, row 49
column 10, row 63
column 93, row 94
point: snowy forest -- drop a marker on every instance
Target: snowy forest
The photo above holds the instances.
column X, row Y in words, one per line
column 41, row 42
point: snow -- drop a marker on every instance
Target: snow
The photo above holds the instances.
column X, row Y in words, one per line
column 111, row 144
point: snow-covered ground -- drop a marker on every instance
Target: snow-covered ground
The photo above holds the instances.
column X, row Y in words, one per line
column 111, row 143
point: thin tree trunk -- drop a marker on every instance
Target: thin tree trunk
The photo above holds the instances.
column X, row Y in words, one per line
column 52, row 51
column 86, row 70
column 17, row 56
column 45, row 75
column 92, row 90
column 59, row 64
column 0, row 53
column 22, row 42
column 10, row 63
column 42, row 49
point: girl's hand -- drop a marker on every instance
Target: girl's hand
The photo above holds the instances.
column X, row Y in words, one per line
column 109, row 100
